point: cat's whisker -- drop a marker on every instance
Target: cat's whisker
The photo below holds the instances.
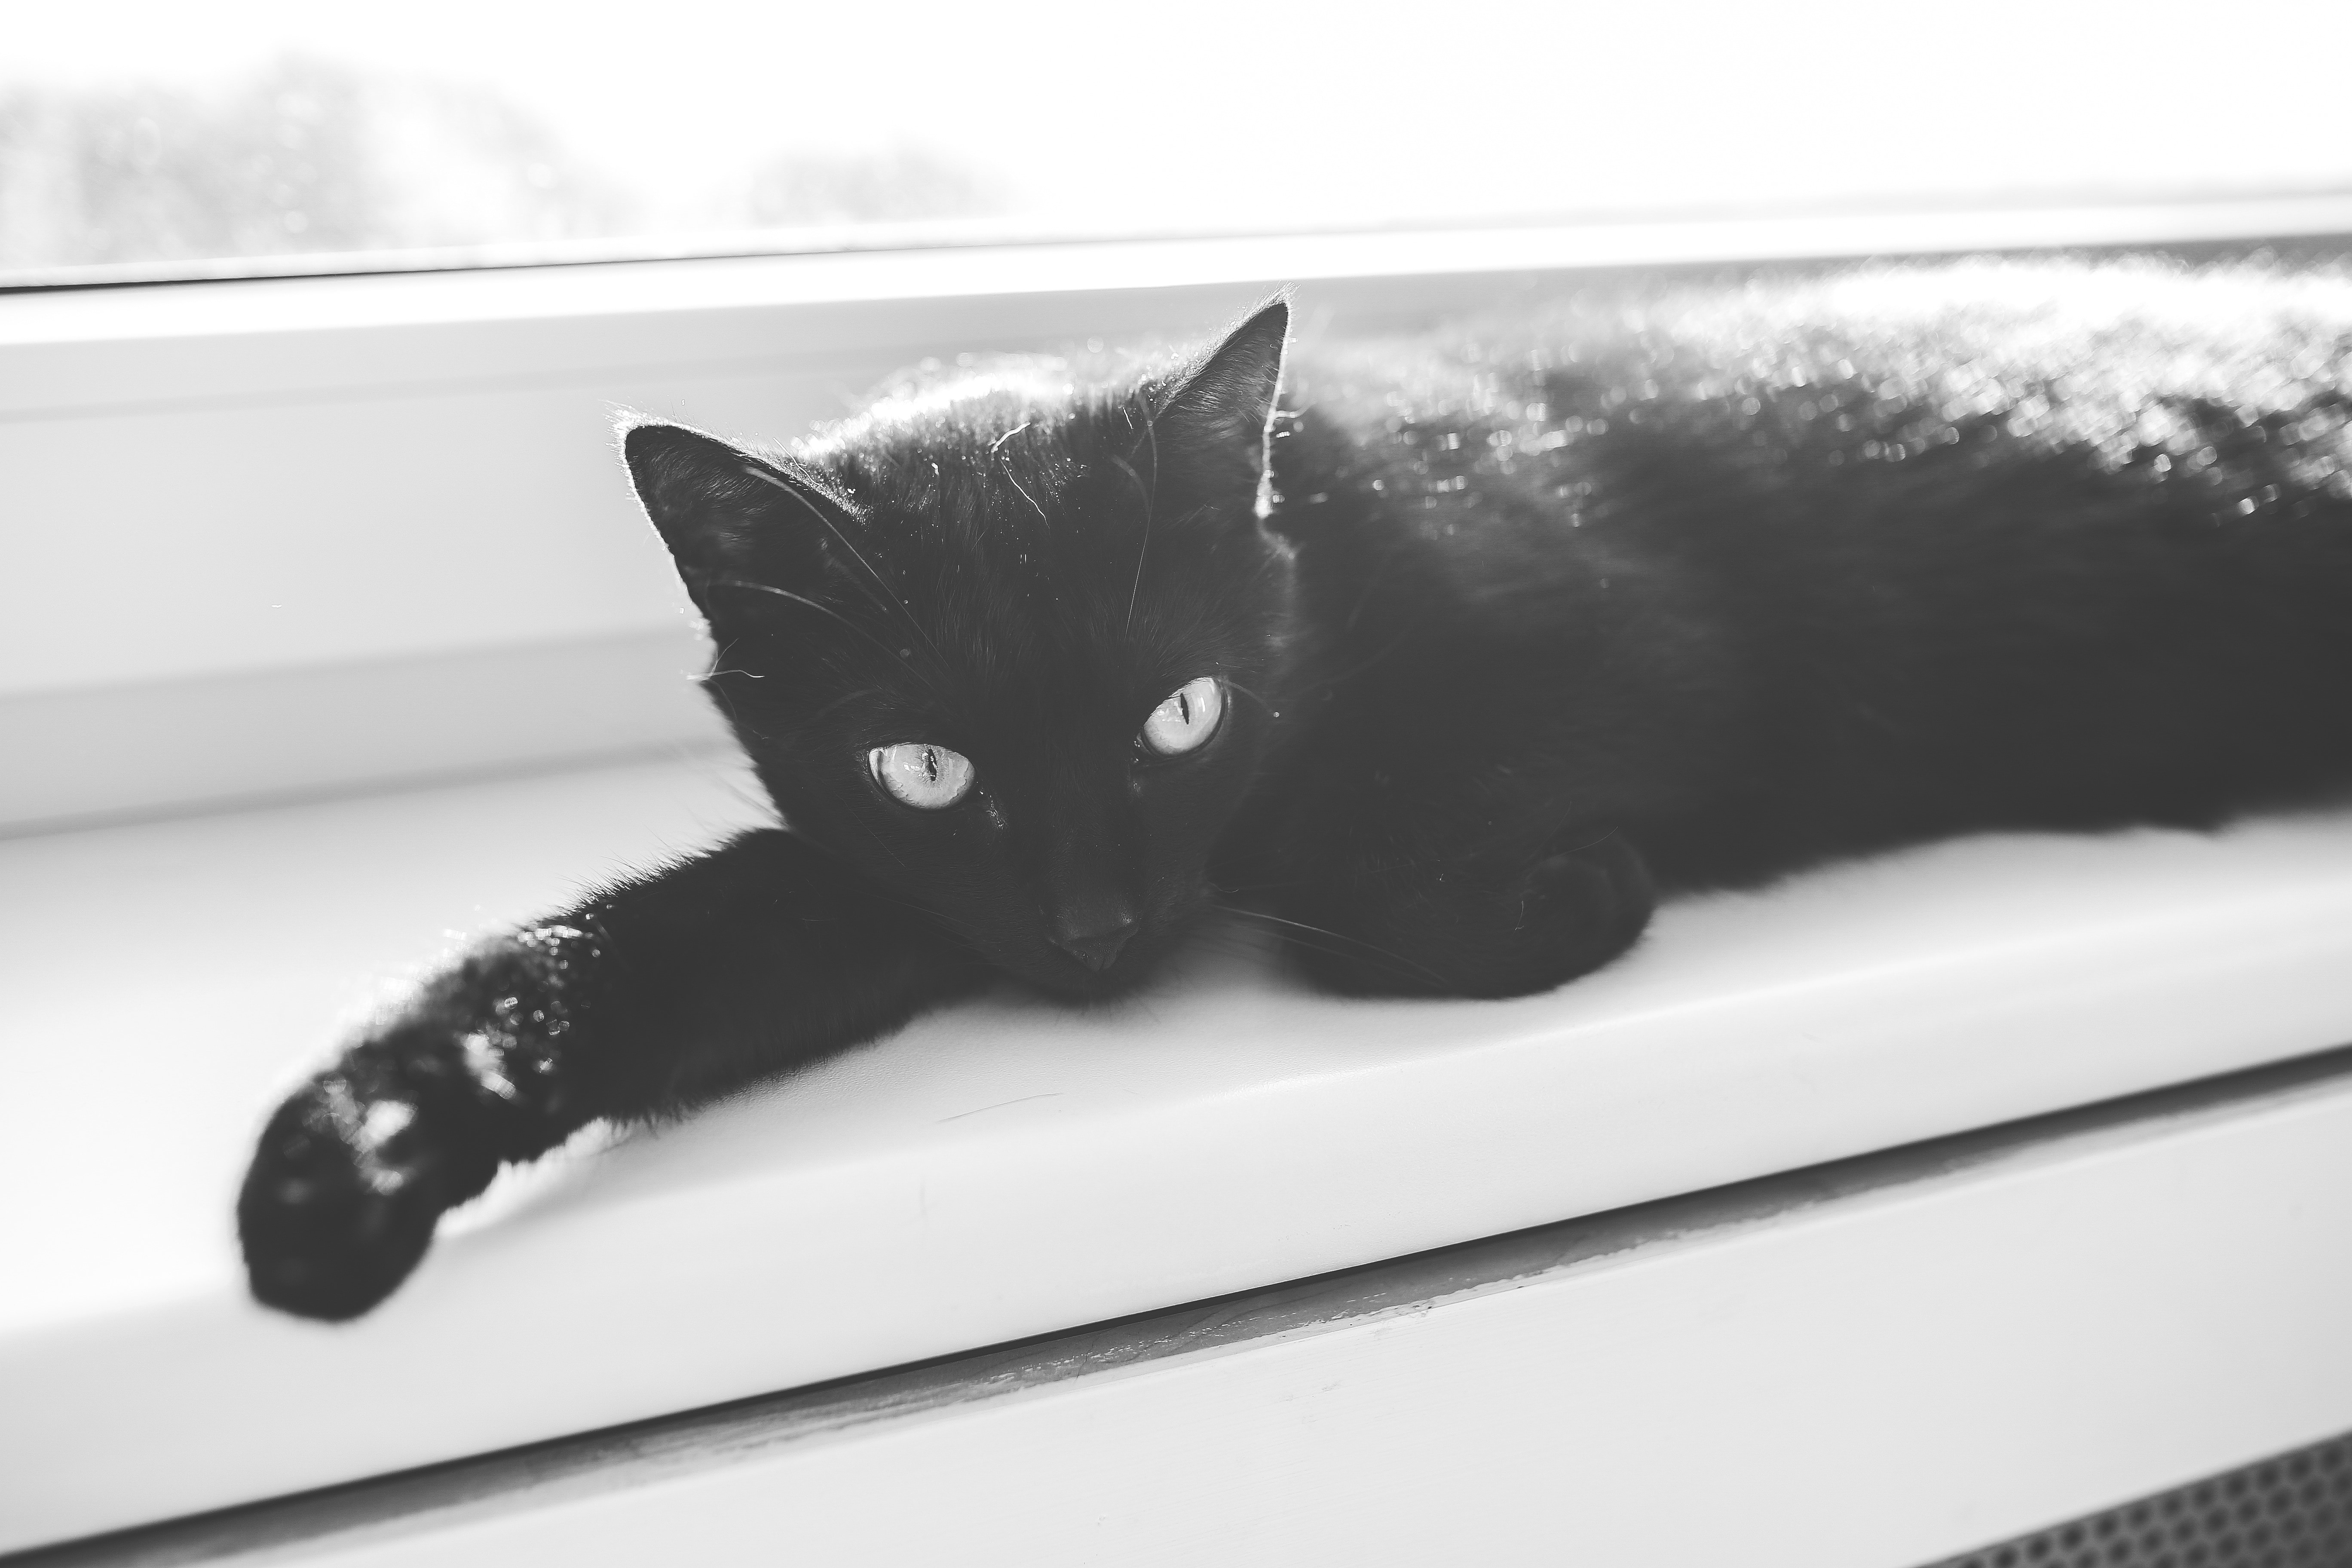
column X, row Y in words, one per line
column 844, row 699
column 1222, row 891
column 1329, row 950
column 718, row 693
column 1141, row 491
column 1232, row 685
column 1226, row 945
column 1145, row 549
column 1353, row 942
column 718, row 665
column 1150, row 495
column 817, row 512
column 822, row 609
column 1013, row 479
column 1151, row 434
column 766, row 807
column 1040, row 510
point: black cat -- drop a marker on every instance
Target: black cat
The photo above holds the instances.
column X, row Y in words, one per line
column 1439, row 671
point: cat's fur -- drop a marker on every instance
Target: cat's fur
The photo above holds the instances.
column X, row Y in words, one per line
column 1514, row 628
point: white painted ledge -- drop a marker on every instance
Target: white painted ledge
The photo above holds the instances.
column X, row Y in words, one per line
column 1002, row 1170
column 1877, row 1363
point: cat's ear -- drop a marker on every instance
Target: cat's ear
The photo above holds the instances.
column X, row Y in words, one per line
column 729, row 517
column 1212, row 423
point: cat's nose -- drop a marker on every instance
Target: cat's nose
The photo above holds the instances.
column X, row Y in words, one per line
column 1094, row 934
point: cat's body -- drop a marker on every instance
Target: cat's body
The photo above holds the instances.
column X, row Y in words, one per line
column 1762, row 579
column 1680, row 593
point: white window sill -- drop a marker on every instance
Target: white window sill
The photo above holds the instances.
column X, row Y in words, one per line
column 1882, row 1363
column 357, row 530
column 1001, row 1170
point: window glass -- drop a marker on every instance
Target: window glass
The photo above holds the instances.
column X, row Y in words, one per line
column 141, row 139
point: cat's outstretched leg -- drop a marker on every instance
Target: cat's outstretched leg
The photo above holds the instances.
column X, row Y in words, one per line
column 1435, row 923
column 649, row 998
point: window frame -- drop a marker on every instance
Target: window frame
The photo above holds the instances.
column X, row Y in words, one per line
column 191, row 370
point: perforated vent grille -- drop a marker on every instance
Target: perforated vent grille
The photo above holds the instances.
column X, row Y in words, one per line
column 2293, row 1512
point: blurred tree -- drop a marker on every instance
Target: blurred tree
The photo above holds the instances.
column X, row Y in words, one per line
column 308, row 156
column 313, row 156
column 902, row 185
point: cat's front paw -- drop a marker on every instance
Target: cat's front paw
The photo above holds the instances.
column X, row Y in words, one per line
column 340, row 1202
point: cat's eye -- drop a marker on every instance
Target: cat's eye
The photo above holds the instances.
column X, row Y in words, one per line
column 1186, row 718
column 925, row 776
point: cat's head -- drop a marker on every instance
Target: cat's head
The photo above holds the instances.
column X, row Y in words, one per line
column 1012, row 649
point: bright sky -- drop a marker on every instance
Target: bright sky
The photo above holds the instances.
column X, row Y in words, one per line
column 1221, row 112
